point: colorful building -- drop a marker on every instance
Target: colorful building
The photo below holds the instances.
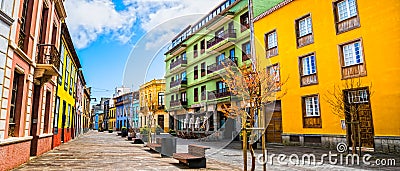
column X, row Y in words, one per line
column 195, row 63
column 152, row 105
column 333, row 43
column 86, row 109
column 136, row 109
column 123, row 105
column 79, row 103
column 112, row 117
column 66, row 86
column 30, row 65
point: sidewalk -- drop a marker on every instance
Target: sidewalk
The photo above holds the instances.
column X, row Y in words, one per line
column 105, row 151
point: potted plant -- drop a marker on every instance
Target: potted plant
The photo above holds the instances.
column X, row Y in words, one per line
column 159, row 130
column 110, row 131
column 124, row 132
column 144, row 132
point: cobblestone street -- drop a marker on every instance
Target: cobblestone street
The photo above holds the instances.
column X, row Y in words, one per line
column 105, row 151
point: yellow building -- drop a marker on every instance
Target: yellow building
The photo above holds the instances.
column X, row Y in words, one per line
column 112, row 118
column 318, row 45
column 65, row 101
column 152, row 101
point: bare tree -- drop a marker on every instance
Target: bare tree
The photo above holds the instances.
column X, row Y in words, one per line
column 346, row 101
column 151, row 110
column 252, row 90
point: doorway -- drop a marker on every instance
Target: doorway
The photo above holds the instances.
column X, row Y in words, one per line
column 274, row 129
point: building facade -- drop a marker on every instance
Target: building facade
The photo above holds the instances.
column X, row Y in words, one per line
column 195, row 65
column 136, row 109
column 65, row 113
column 342, row 43
column 29, row 86
column 86, row 109
column 79, row 103
column 152, row 105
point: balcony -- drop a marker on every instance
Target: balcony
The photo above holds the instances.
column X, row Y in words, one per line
column 47, row 62
column 222, row 41
column 217, row 94
column 178, row 62
column 178, row 103
column 245, row 57
column 178, row 83
column 348, row 24
column 226, row 62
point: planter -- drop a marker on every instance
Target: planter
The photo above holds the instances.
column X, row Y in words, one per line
column 110, row 131
column 119, row 133
column 130, row 138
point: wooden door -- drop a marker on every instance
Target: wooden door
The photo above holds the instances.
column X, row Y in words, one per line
column 274, row 129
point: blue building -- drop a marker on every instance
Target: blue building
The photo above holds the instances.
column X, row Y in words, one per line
column 124, row 110
column 136, row 110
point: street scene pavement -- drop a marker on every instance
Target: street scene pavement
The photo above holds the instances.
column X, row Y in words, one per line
column 107, row 151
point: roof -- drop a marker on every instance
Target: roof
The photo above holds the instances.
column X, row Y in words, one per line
column 70, row 44
column 272, row 9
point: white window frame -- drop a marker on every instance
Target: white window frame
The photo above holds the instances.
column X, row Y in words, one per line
column 350, row 11
column 272, row 40
column 358, row 96
column 305, row 26
column 312, row 106
column 274, row 71
column 350, row 54
column 308, row 67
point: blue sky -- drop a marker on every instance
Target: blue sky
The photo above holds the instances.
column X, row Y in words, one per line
column 105, row 33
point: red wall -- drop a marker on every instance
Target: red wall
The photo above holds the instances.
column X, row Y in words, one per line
column 13, row 155
column 44, row 145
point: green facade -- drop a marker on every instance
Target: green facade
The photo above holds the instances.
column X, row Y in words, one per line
column 233, row 40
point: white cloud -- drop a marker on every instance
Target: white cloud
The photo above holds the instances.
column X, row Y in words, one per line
column 88, row 19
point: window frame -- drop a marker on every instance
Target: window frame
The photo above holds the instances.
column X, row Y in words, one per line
column 361, row 67
column 349, row 23
column 315, row 120
column 267, row 40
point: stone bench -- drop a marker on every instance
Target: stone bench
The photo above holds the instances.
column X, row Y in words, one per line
column 195, row 158
column 164, row 146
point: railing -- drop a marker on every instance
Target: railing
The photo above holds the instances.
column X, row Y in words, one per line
column 48, row 54
column 231, row 33
column 178, row 103
column 216, row 94
column 21, row 40
column 178, row 82
column 177, row 62
column 218, row 66
column 245, row 57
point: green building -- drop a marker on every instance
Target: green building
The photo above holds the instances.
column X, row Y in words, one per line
column 194, row 63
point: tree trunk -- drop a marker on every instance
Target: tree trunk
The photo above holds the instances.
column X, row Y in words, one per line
column 244, row 141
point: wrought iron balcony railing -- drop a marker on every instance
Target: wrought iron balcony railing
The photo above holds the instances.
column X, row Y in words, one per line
column 178, row 62
column 216, row 94
column 48, row 54
column 231, row 33
column 220, row 65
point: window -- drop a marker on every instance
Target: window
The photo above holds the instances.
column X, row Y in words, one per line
column 203, row 69
column 183, row 56
column 246, row 51
column 244, row 21
column 202, row 46
column 196, row 95
column 220, row 58
column 312, row 106
column 352, row 54
column 271, row 40
column 56, row 113
column 183, row 97
column 72, row 81
column 357, row 96
column 308, row 70
column 195, row 53
column 203, row 92
column 66, row 78
column 196, row 74
column 346, row 16
column 184, row 78
column 304, row 26
column 308, row 64
column 304, row 32
column 346, row 9
column 60, row 70
column 274, row 72
column 69, row 115
column 15, row 106
column 161, row 99
column 232, row 53
column 221, row 87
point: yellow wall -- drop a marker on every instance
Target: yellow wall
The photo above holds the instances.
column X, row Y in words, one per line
column 63, row 94
column 380, row 33
column 153, row 87
column 112, row 119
